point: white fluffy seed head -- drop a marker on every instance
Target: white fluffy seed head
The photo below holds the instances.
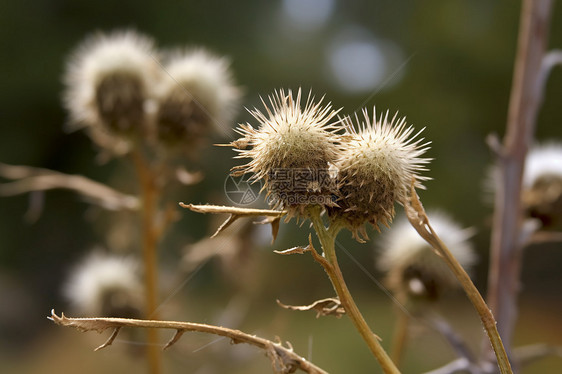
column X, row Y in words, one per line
column 375, row 169
column 543, row 161
column 105, row 285
column 196, row 96
column 291, row 151
column 413, row 270
column 109, row 82
column 542, row 184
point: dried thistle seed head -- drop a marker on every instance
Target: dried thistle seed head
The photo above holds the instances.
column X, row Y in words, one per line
column 291, row 151
column 197, row 96
column 375, row 170
column 106, row 286
column 108, row 86
column 542, row 184
column 413, row 270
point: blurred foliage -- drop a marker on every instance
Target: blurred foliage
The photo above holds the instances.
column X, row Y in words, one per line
column 452, row 76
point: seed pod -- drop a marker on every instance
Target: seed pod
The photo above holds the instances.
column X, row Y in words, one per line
column 292, row 151
column 108, row 87
column 542, row 184
column 196, row 97
column 375, row 169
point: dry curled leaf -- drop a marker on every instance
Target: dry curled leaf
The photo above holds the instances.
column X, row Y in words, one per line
column 272, row 216
column 299, row 250
column 324, row 307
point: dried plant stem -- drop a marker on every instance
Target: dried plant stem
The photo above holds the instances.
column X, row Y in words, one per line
column 419, row 220
column 150, row 198
column 400, row 337
column 526, row 94
column 327, row 239
column 283, row 359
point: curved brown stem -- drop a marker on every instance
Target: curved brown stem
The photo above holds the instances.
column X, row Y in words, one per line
column 420, row 222
column 283, row 359
column 332, row 268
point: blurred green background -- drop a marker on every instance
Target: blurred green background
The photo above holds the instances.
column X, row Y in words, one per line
column 446, row 65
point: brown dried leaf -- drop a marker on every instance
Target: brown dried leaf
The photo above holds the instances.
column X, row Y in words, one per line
column 272, row 216
column 244, row 212
column 324, row 307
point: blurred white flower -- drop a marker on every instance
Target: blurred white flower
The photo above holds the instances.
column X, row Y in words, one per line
column 108, row 81
column 105, row 285
column 412, row 267
column 197, row 95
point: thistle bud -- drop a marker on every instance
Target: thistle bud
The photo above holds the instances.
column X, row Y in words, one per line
column 105, row 286
column 413, row 270
column 542, row 184
column 375, row 169
column 108, row 83
column 291, row 151
column 196, row 97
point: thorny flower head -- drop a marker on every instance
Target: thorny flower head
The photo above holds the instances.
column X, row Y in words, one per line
column 375, row 169
column 291, row 151
column 109, row 80
column 542, row 183
column 197, row 96
column 413, row 270
column 106, row 286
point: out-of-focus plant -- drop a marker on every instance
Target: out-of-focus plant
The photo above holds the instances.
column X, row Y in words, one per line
column 151, row 109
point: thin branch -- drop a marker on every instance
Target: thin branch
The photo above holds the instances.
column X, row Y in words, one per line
column 420, row 222
column 541, row 237
column 460, row 365
column 283, row 359
column 524, row 356
column 439, row 324
column 29, row 179
column 529, row 78
column 527, row 354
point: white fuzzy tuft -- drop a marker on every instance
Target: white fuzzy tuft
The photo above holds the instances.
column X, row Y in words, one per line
column 542, row 160
column 207, row 80
column 99, row 56
column 402, row 247
column 97, row 274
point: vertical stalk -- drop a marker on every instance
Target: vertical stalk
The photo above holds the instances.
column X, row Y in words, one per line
column 150, row 197
column 526, row 93
column 400, row 337
column 327, row 240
